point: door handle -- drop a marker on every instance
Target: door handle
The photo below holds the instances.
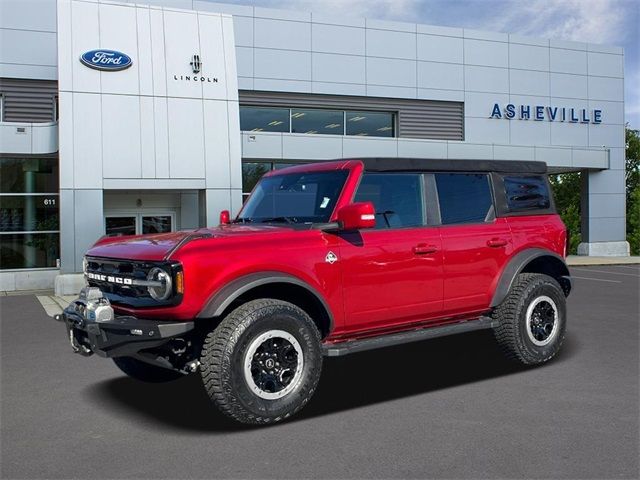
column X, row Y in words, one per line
column 496, row 242
column 423, row 249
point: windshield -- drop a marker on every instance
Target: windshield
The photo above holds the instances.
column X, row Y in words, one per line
column 294, row 198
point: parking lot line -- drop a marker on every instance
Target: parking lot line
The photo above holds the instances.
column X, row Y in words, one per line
column 605, row 271
column 597, row 279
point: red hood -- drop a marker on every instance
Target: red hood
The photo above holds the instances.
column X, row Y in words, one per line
column 162, row 245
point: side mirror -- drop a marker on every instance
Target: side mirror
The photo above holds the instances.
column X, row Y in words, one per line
column 225, row 217
column 357, row 215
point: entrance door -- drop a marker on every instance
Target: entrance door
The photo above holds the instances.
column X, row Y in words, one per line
column 118, row 224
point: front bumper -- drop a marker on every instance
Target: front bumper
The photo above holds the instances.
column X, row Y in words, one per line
column 119, row 336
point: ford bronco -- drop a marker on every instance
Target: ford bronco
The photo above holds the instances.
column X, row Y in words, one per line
column 330, row 259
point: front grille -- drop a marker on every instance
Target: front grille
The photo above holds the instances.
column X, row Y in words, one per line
column 116, row 278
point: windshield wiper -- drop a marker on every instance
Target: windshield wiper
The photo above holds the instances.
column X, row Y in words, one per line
column 279, row 220
column 242, row 220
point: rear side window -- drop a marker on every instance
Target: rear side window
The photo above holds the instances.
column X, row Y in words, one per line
column 463, row 197
column 527, row 193
column 397, row 198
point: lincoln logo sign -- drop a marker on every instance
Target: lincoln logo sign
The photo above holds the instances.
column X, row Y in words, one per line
column 107, row 60
column 543, row 112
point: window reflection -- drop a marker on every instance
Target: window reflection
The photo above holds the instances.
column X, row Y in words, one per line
column 372, row 124
column 262, row 119
column 327, row 122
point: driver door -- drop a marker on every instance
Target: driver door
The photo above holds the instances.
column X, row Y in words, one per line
column 393, row 274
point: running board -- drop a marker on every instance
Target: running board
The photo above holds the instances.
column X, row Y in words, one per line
column 353, row 346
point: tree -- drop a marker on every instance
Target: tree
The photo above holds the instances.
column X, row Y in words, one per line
column 566, row 192
column 632, row 177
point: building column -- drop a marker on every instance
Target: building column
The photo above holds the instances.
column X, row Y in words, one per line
column 603, row 205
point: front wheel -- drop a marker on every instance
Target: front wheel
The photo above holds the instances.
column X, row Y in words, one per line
column 262, row 363
column 532, row 319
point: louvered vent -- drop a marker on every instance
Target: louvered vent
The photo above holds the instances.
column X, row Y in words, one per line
column 31, row 101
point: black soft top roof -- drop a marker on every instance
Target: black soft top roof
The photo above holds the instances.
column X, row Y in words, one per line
column 449, row 165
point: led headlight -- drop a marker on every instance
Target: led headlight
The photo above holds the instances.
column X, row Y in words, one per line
column 162, row 285
column 85, row 264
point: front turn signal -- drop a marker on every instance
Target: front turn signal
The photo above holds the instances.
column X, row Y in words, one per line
column 180, row 282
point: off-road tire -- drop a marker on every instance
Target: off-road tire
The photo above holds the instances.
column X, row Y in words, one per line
column 222, row 361
column 511, row 314
column 145, row 372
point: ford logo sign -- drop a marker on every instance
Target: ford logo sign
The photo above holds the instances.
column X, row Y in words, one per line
column 108, row 60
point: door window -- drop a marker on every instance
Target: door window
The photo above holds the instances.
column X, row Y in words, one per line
column 156, row 224
column 137, row 223
column 463, row 197
column 119, row 226
column 397, row 198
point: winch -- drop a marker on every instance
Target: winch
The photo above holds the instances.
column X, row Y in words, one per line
column 93, row 306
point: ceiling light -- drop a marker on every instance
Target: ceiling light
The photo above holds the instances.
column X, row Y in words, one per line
column 333, row 125
column 298, row 115
column 362, row 134
column 312, row 131
column 257, row 130
column 274, row 123
column 356, row 119
column 384, row 129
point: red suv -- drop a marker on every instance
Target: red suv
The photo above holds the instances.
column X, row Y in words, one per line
column 329, row 259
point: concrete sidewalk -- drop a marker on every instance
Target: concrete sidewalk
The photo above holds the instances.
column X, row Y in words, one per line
column 575, row 260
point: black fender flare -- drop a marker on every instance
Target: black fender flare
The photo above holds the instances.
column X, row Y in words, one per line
column 219, row 301
column 517, row 264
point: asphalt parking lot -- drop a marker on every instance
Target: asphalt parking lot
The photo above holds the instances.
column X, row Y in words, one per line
column 445, row 408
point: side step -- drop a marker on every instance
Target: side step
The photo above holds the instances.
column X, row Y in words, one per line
column 353, row 346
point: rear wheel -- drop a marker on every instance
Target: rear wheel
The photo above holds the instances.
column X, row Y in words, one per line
column 262, row 363
column 532, row 319
column 145, row 372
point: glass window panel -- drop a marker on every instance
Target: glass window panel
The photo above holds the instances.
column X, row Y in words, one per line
column 28, row 175
column 317, row 121
column 372, row 124
column 29, row 250
column 261, row 119
column 463, row 197
column 251, row 173
column 25, row 213
column 156, row 224
column 397, row 198
column 527, row 193
column 295, row 197
column 119, row 226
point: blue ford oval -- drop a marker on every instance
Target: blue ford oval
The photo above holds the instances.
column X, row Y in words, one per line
column 108, row 60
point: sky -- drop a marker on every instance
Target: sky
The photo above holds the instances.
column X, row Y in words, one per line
column 610, row 22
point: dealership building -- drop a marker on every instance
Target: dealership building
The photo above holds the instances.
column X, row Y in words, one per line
column 124, row 118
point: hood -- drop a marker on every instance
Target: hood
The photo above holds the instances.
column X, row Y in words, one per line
column 161, row 246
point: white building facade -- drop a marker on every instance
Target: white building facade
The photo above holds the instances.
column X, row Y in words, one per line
column 122, row 118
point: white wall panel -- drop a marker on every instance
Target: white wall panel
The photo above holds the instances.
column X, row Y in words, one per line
column 181, row 42
column 435, row 48
column 369, row 147
column 440, row 76
column 282, row 64
column 414, row 148
column 471, row 151
column 121, row 141
column 244, row 59
column 609, row 136
column 612, row 112
column 216, row 146
column 313, row 147
column 35, row 15
column 87, row 141
column 156, row 21
column 573, row 134
column 85, row 35
column 22, row 46
column 391, row 72
column 604, row 64
column 327, row 67
column 118, row 31
column 384, row 43
column 568, row 85
column 243, row 30
column 282, row 34
column 528, row 82
column 486, row 79
column 480, row 52
column 230, row 62
column 235, row 146
column 601, row 88
column 213, row 58
column 486, row 130
column 528, row 57
column 261, row 145
column 557, row 157
column 161, row 131
column 338, row 39
column 512, row 152
column 147, row 138
column 186, row 138
column 568, row 61
column 481, row 105
column 144, row 60
column 530, row 132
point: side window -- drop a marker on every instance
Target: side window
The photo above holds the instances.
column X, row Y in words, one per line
column 463, row 197
column 527, row 193
column 397, row 198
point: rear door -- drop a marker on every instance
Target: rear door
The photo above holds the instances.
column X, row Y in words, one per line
column 476, row 244
column 391, row 274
